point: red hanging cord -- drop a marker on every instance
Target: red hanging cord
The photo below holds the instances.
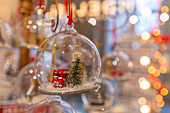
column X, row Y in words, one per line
column 40, row 4
column 115, row 26
column 66, row 4
column 70, row 18
column 114, row 34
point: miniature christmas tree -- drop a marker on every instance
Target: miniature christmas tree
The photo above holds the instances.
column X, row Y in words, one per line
column 74, row 77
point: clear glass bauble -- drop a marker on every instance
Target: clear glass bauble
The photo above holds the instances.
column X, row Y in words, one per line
column 116, row 65
column 9, row 63
column 51, row 105
column 101, row 99
column 41, row 24
column 6, row 35
column 67, row 62
column 27, row 87
column 32, row 31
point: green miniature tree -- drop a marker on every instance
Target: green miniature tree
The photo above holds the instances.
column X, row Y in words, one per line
column 74, row 77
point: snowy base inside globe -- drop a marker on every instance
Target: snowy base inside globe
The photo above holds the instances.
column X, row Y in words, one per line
column 50, row 90
column 104, row 107
column 35, row 99
column 117, row 78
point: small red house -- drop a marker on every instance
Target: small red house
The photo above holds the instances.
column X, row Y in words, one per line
column 59, row 77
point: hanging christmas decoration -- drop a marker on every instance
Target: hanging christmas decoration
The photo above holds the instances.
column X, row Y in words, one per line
column 27, row 87
column 6, row 38
column 116, row 65
column 42, row 23
column 73, row 59
column 76, row 69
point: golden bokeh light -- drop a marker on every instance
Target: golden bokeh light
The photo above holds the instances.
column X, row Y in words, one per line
column 163, row 69
column 157, row 85
column 161, row 23
column 156, row 32
column 159, row 98
column 30, row 71
column 151, row 70
column 164, row 9
column 160, row 104
column 162, row 47
column 164, row 91
column 157, row 73
column 29, row 22
column 157, row 54
column 142, row 101
column 162, row 60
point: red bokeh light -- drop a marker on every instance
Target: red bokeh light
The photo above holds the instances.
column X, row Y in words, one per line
column 152, row 77
column 158, row 40
column 162, row 86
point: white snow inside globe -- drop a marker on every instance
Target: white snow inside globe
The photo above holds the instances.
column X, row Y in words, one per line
column 67, row 62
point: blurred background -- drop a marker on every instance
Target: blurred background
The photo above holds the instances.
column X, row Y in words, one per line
column 139, row 28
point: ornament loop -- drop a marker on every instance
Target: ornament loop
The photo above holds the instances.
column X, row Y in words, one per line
column 67, row 27
column 55, row 22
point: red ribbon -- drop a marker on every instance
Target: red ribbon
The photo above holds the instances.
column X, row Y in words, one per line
column 66, row 4
column 70, row 17
column 40, row 4
column 114, row 34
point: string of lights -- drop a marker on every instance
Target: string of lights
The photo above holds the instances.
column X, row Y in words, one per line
column 158, row 68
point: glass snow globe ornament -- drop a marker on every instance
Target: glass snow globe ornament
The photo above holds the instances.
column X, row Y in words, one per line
column 9, row 64
column 52, row 104
column 27, row 32
column 117, row 66
column 8, row 55
column 6, row 39
column 100, row 99
column 33, row 30
column 27, row 87
column 73, row 63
